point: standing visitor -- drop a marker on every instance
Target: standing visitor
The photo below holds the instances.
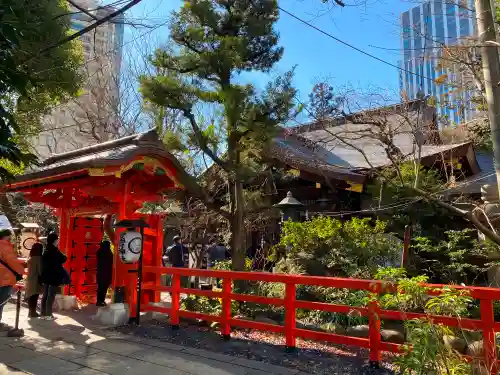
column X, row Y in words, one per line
column 53, row 275
column 33, row 282
column 104, row 271
column 176, row 255
column 217, row 252
column 11, row 269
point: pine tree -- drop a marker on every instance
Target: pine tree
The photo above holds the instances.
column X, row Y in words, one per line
column 213, row 42
column 323, row 103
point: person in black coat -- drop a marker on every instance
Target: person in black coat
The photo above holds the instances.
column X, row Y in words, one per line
column 53, row 275
column 104, row 271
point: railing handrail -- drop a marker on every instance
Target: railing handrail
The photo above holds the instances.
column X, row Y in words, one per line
column 376, row 286
column 373, row 311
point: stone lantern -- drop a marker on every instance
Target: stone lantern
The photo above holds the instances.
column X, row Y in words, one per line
column 290, row 208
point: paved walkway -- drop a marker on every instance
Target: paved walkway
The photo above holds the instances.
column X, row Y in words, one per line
column 74, row 344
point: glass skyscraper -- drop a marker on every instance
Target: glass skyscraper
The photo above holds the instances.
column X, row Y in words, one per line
column 425, row 30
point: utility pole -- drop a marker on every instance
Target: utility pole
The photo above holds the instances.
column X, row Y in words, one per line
column 491, row 71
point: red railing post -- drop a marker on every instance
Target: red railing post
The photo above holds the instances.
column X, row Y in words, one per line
column 290, row 296
column 225, row 329
column 489, row 347
column 176, row 294
column 374, row 333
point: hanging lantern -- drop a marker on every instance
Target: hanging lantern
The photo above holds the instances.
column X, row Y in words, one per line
column 129, row 246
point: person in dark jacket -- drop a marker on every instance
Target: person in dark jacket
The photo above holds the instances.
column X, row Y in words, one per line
column 53, row 275
column 104, row 271
column 217, row 252
column 176, row 255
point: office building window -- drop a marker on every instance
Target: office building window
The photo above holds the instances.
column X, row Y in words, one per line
column 417, row 33
column 464, row 21
column 405, row 23
column 451, row 22
column 439, row 21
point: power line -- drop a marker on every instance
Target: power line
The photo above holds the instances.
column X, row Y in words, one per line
column 86, row 29
column 352, row 46
column 346, row 43
column 109, row 52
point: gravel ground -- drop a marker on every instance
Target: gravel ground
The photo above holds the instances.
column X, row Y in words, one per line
column 311, row 357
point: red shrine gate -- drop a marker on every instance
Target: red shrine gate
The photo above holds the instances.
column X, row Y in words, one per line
column 86, row 185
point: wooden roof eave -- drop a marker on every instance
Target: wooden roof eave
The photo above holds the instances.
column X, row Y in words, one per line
column 61, row 179
column 78, row 170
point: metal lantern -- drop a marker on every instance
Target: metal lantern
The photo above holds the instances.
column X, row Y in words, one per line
column 290, row 208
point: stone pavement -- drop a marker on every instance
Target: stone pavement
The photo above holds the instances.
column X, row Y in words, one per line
column 74, row 344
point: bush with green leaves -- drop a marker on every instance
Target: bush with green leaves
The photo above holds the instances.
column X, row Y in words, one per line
column 460, row 258
column 426, row 218
column 225, row 265
column 329, row 247
column 428, row 353
column 202, row 304
column 214, row 305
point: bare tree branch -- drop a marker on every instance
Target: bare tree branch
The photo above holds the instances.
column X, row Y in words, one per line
column 87, row 29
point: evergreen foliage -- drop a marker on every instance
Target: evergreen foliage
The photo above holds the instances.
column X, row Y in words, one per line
column 213, row 43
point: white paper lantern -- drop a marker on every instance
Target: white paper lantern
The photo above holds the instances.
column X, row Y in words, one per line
column 129, row 247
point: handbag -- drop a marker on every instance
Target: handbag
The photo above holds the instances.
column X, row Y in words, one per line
column 66, row 280
column 18, row 276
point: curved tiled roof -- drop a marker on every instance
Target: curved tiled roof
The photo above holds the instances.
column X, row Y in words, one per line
column 112, row 153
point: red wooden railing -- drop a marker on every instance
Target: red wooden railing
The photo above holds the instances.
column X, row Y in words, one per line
column 374, row 343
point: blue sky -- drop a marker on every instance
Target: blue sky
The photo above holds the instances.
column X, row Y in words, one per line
column 316, row 56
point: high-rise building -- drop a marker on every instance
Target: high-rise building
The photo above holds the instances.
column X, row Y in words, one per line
column 93, row 116
column 426, row 29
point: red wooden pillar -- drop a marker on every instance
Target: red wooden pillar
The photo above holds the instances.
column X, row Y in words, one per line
column 225, row 329
column 64, row 230
column 159, row 255
column 290, row 296
column 374, row 334
column 406, row 246
column 175, row 304
column 489, row 347
column 118, row 266
column 153, row 255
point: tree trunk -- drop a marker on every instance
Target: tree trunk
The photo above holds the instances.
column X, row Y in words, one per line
column 491, row 71
column 238, row 228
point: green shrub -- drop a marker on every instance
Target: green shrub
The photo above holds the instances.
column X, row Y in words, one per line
column 328, row 247
column 225, row 265
column 428, row 354
column 201, row 304
column 451, row 261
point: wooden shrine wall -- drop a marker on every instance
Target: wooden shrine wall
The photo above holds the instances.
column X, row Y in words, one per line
column 152, row 256
column 84, row 237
